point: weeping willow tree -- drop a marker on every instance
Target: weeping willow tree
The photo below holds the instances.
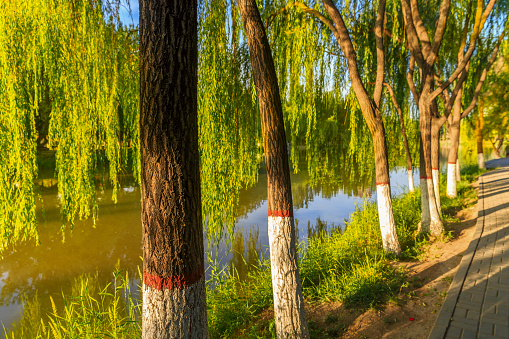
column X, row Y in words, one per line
column 77, row 54
column 229, row 122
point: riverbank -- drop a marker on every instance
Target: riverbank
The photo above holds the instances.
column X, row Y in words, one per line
column 352, row 288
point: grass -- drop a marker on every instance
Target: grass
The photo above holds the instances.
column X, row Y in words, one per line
column 350, row 267
column 91, row 311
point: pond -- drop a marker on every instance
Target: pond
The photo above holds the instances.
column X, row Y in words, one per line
column 115, row 240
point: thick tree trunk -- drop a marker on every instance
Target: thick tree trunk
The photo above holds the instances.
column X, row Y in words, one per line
column 288, row 300
column 425, row 214
column 435, row 159
column 434, row 226
column 479, row 125
column 383, row 190
column 454, row 136
column 173, row 265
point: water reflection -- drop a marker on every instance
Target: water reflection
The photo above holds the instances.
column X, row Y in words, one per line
column 245, row 253
column 116, row 238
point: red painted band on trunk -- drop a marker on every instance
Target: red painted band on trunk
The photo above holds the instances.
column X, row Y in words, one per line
column 409, row 168
column 382, row 183
column 435, row 169
column 283, row 214
column 174, row 281
column 452, row 163
column 427, row 178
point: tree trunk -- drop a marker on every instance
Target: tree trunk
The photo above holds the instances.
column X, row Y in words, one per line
column 372, row 117
column 288, row 300
column 454, row 136
column 479, row 125
column 436, row 125
column 383, row 192
column 434, row 226
column 173, row 264
column 458, row 172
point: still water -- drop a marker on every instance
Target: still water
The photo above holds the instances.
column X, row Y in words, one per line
column 50, row 268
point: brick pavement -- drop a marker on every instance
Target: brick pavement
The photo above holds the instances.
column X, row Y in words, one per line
column 477, row 304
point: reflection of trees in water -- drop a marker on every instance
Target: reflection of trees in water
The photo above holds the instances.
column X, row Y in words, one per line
column 245, row 253
column 321, row 230
column 49, row 268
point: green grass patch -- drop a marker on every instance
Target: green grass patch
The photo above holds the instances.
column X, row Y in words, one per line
column 90, row 311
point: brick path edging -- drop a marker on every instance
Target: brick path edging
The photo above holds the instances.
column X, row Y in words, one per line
column 444, row 316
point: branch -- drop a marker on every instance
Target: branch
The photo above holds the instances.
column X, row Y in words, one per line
column 411, row 33
column 445, row 94
column 461, row 50
column 304, row 8
column 343, row 38
column 458, row 87
column 410, row 78
column 421, row 30
column 480, row 20
column 380, row 55
column 439, row 33
column 400, row 40
column 483, row 77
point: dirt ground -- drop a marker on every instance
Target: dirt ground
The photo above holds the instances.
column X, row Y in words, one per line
column 414, row 313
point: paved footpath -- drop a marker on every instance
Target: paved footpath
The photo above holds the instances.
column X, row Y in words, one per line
column 477, row 304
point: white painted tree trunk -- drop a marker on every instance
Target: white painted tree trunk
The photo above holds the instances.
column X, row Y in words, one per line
column 480, row 160
column 451, row 180
column 425, row 217
column 171, row 312
column 435, row 226
column 387, row 225
column 411, row 186
column 458, row 172
column 286, row 283
column 430, row 219
column 436, row 186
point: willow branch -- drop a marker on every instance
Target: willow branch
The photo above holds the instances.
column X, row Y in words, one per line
column 400, row 40
column 410, row 78
column 477, row 29
column 402, row 123
column 458, row 87
column 483, row 77
column 445, row 94
column 461, row 50
column 304, row 8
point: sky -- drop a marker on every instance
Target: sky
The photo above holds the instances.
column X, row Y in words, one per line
column 129, row 18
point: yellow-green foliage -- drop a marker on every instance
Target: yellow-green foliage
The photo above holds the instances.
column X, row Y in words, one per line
column 229, row 122
column 90, row 311
column 18, row 106
column 78, row 56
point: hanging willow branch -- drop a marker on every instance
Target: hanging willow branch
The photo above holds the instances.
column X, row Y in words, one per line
column 80, row 58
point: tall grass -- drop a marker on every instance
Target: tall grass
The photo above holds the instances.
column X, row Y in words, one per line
column 91, row 311
column 348, row 266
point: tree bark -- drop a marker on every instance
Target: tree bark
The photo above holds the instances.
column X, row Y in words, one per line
column 479, row 125
column 435, row 226
column 288, row 300
column 173, row 255
column 454, row 136
column 373, row 118
column 436, row 125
